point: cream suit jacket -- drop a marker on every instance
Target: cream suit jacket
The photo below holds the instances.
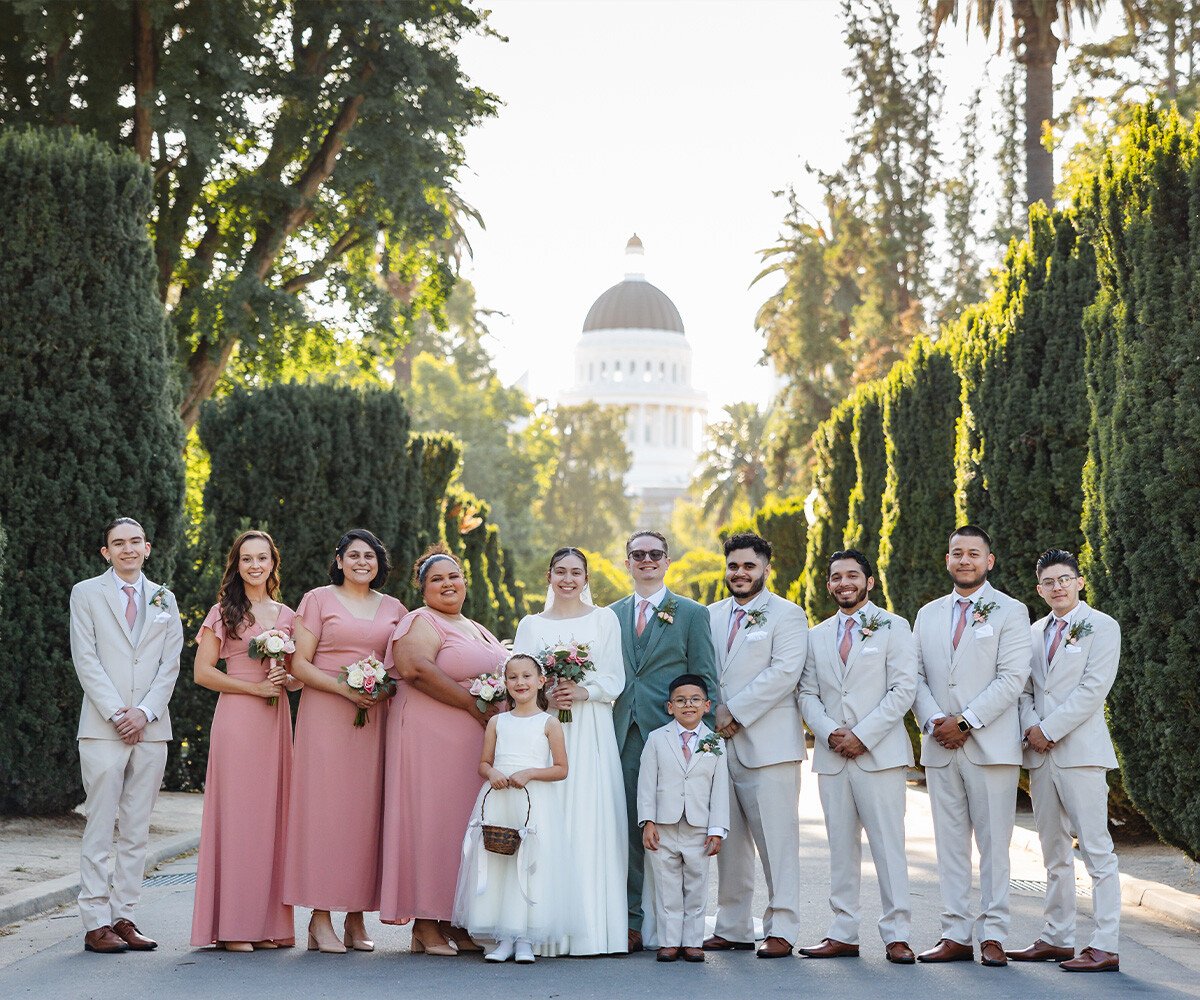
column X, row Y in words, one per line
column 670, row 789
column 986, row 674
column 118, row 667
column 759, row 676
column 870, row 694
column 1066, row 696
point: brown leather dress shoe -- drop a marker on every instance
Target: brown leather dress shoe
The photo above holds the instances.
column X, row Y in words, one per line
column 127, row 931
column 692, row 954
column 775, row 947
column 1039, row 951
column 635, row 941
column 667, row 954
column 103, row 941
column 990, row 953
column 829, row 948
column 718, row 943
column 948, row 951
column 1093, row 960
column 900, row 953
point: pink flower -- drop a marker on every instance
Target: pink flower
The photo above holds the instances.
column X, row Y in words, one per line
column 978, row 617
column 369, row 683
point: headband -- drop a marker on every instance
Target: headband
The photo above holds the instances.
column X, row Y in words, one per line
column 429, row 562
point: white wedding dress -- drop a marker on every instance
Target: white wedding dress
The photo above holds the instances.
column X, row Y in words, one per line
column 594, row 790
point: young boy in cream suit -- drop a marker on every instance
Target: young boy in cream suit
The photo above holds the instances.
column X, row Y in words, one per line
column 683, row 810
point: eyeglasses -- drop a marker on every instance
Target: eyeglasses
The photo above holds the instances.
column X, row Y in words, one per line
column 1057, row 581
column 641, row 555
column 695, row 699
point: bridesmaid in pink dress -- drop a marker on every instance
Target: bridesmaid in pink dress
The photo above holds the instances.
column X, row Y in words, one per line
column 435, row 739
column 239, row 875
column 334, row 825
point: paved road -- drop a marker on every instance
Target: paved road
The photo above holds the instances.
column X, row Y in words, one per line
column 44, row 957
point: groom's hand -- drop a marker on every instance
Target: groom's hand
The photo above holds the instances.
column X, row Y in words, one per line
column 650, row 836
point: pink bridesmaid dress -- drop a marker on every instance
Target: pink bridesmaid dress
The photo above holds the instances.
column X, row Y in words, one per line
column 432, row 780
column 333, row 845
column 239, row 874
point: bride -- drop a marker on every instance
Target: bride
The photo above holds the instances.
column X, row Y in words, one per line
column 594, row 791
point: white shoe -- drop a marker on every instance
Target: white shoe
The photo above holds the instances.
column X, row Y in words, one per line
column 524, row 953
column 502, row 952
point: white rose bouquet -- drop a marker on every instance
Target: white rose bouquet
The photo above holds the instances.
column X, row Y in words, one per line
column 488, row 688
column 367, row 676
column 273, row 644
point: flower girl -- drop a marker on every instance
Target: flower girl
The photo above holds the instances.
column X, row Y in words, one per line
column 518, row 899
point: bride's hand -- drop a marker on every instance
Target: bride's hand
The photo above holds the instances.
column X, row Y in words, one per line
column 564, row 694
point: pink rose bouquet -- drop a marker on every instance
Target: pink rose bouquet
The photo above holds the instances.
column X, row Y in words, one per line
column 367, row 676
column 273, row 644
column 566, row 662
column 488, row 688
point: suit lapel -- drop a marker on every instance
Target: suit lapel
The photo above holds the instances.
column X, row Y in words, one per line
column 623, row 609
column 657, row 627
column 857, row 648
column 676, row 743
column 831, row 640
column 967, row 637
column 113, row 596
column 718, row 614
column 147, row 611
column 1040, row 651
column 738, row 640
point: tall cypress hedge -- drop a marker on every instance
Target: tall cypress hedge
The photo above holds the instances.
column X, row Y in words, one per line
column 1023, row 429
column 784, row 524
column 864, row 516
column 920, row 411
column 833, row 479
column 88, row 417
column 1141, row 517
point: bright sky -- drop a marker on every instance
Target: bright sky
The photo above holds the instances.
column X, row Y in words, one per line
column 677, row 120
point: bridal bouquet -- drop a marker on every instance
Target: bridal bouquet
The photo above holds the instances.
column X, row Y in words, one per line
column 566, row 662
column 368, row 677
column 488, row 688
column 273, row 644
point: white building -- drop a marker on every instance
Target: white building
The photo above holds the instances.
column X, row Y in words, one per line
column 633, row 353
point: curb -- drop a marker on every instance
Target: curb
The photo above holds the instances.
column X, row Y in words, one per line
column 1161, row 900
column 45, row 896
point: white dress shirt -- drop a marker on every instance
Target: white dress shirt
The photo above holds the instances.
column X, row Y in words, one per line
column 1052, row 626
column 139, row 587
column 656, row 601
column 713, row 831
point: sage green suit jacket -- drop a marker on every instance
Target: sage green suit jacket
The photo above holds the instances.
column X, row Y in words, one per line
column 682, row 647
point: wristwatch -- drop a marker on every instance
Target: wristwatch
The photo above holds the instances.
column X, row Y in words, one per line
column 963, row 725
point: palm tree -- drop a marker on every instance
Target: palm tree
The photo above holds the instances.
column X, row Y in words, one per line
column 734, row 465
column 1035, row 47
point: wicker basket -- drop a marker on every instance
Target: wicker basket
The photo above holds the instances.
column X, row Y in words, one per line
column 502, row 839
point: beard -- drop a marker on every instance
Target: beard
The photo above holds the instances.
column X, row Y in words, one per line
column 748, row 590
column 972, row 583
column 860, row 594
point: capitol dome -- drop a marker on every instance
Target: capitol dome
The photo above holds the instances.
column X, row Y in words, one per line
column 634, row 353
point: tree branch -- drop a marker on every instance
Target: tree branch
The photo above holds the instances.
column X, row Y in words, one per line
column 144, row 71
column 347, row 242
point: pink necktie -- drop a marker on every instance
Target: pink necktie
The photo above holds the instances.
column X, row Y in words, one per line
column 687, row 750
column 641, row 622
column 1059, row 629
column 963, row 604
column 130, row 606
column 733, row 629
column 847, row 641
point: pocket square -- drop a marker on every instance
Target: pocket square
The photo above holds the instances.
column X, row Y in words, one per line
column 983, row 631
column 162, row 616
column 1074, row 649
column 756, row 637
column 870, row 649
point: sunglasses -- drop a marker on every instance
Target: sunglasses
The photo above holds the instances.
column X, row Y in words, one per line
column 641, row 555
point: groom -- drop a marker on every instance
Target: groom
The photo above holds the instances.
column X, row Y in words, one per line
column 663, row 635
column 125, row 643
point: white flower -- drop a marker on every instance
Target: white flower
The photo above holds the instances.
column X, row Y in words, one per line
column 380, row 673
column 355, row 677
column 274, row 644
column 487, row 692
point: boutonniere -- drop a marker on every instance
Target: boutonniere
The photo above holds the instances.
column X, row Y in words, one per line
column 982, row 611
column 873, row 624
column 1078, row 631
column 666, row 614
column 755, row 618
column 159, row 600
column 710, row 744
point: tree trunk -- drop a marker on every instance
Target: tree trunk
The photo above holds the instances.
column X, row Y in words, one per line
column 143, row 79
column 1037, row 48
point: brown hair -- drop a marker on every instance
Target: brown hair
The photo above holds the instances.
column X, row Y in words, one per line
column 542, row 701
column 231, row 598
column 437, row 549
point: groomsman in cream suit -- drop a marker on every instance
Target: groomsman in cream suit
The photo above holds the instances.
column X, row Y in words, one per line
column 973, row 652
column 760, row 640
column 860, row 679
column 1068, row 751
column 126, row 637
